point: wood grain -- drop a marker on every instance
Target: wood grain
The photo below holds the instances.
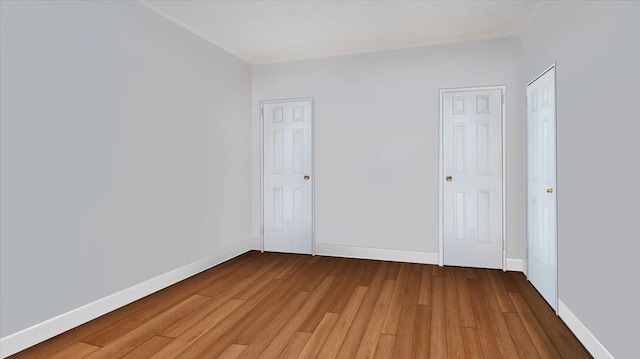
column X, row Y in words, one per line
column 532, row 326
column 295, row 345
column 464, row 300
column 148, row 348
column 501, row 331
column 386, row 345
column 146, row 331
column 233, row 351
column 392, row 319
column 319, row 336
column 472, row 348
column 337, row 335
column 500, row 293
column 267, row 336
column 406, row 327
column 275, row 305
column 425, row 286
column 438, row 338
column 192, row 334
column 486, row 334
column 75, row 350
column 239, row 316
column 523, row 342
column 353, row 338
column 277, row 344
column 422, row 332
column 455, row 342
column 374, row 326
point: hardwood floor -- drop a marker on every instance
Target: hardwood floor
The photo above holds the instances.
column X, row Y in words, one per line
column 273, row 305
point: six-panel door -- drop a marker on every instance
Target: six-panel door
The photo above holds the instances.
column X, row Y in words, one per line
column 541, row 186
column 287, row 192
column 472, row 187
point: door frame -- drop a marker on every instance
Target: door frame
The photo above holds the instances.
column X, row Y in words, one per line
column 526, row 177
column 313, row 167
column 441, row 92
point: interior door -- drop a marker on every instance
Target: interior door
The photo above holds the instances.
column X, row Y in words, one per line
column 472, row 183
column 541, row 186
column 287, row 176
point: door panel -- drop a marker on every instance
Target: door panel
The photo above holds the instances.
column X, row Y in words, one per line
column 472, row 187
column 287, row 146
column 541, row 186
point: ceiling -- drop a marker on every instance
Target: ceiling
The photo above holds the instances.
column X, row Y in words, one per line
column 270, row 31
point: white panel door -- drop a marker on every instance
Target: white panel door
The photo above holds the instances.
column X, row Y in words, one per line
column 288, row 177
column 541, row 186
column 472, row 187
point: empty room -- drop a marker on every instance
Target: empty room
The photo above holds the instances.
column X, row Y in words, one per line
column 319, row 179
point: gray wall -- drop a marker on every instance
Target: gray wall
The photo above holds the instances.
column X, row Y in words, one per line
column 376, row 170
column 125, row 153
column 597, row 49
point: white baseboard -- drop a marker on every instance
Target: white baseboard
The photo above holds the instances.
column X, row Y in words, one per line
column 335, row 250
column 583, row 334
column 516, row 265
column 40, row 332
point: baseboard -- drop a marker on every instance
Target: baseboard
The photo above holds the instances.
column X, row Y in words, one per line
column 40, row 332
column 583, row 334
column 334, row 250
column 516, row 265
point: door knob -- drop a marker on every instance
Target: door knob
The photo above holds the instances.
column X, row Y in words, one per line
column 449, row 178
column 306, row 177
column 549, row 190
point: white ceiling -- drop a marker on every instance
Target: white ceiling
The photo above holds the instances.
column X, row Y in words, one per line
column 270, row 31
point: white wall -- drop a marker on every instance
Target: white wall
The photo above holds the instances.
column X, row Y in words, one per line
column 597, row 49
column 125, row 153
column 376, row 170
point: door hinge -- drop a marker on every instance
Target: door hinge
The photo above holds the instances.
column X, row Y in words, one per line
column 503, row 98
column 262, row 112
column 262, row 231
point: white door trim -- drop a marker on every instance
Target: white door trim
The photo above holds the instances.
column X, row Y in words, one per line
column 441, row 92
column 526, row 177
column 313, row 169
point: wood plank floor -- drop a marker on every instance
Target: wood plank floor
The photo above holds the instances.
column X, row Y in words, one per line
column 273, row 305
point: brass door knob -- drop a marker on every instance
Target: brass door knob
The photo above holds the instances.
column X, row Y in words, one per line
column 306, row 177
column 449, row 178
column 549, row 190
